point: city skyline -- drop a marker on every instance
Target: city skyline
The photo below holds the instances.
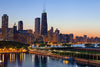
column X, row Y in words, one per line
column 72, row 20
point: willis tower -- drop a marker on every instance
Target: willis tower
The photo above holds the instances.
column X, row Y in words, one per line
column 44, row 26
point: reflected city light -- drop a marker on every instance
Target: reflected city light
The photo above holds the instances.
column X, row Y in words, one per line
column 3, row 58
column 13, row 57
column 48, row 59
column 10, row 57
column 19, row 60
column 33, row 56
column 0, row 56
column 0, row 61
column 24, row 56
column 65, row 61
column 21, row 56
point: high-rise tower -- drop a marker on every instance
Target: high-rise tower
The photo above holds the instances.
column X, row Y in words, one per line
column 15, row 28
column 71, row 38
column 37, row 26
column 4, row 27
column 44, row 26
column 20, row 25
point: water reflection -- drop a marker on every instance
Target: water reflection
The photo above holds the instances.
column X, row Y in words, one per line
column 43, row 61
column 11, row 60
column 65, row 61
column 31, row 60
column 40, row 61
column 37, row 61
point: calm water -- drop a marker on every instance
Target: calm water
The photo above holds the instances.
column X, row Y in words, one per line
column 31, row 60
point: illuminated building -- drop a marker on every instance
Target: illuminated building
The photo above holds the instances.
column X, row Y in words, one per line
column 56, row 38
column 23, row 36
column 50, row 35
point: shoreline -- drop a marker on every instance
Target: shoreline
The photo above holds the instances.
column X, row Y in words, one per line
column 12, row 52
column 87, row 62
column 48, row 53
column 78, row 60
column 53, row 55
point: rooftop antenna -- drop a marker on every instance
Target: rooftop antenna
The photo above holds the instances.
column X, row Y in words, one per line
column 44, row 6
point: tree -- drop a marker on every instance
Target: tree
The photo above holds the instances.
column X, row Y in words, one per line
column 89, row 45
column 68, row 45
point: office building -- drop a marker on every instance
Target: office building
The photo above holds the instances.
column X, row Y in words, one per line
column 37, row 26
column 71, row 38
column 15, row 28
column 20, row 25
column 44, row 26
column 4, row 27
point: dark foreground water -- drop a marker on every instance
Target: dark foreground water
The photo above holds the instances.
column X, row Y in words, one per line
column 31, row 60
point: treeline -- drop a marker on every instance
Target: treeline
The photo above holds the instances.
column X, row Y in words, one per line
column 12, row 44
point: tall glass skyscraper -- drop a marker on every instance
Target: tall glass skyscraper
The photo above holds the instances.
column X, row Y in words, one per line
column 37, row 26
column 4, row 27
column 44, row 26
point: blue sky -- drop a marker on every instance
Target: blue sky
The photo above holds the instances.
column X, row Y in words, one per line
column 70, row 16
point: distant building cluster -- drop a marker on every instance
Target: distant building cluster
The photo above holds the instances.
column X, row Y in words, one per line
column 14, row 34
column 85, row 39
column 41, row 33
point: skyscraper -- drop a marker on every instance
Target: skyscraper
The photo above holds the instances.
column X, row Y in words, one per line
column 71, row 38
column 57, row 31
column 57, row 35
column 20, row 25
column 50, row 35
column 85, row 38
column 51, row 32
column 15, row 28
column 37, row 26
column 4, row 27
column 44, row 26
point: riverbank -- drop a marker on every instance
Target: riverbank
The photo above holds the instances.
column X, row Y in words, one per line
column 87, row 62
column 54, row 55
column 47, row 53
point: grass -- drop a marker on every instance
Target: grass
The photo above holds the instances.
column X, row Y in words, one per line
column 97, row 60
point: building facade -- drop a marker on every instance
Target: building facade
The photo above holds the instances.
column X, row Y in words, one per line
column 15, row 28
column 37, row 27
column 10, row 34
column 5, row 27
column 20, row 25
column 44, row 26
